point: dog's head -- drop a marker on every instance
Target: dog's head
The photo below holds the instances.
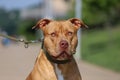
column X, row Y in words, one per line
column 60, row 37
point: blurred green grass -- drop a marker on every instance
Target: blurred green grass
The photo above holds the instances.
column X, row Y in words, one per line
column 102, row 47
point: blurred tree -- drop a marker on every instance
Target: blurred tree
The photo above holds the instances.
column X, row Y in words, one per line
column 9, row 20
column 100, row 12
column 25, row 28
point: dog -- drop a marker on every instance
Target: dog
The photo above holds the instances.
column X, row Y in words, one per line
column 55, row 60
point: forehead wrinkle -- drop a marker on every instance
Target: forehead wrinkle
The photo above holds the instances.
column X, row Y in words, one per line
column 53, row 27
column 67, row 26
column 59, row 27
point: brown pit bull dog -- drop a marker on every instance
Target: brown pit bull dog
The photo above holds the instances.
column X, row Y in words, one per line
column 55, row 61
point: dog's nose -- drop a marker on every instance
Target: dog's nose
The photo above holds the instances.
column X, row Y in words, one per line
column 63, row 44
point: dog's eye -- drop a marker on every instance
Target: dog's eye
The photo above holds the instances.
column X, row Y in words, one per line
column 53, row 34
column 70, row 33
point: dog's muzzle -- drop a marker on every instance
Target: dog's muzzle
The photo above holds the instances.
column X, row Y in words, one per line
column 53, row 59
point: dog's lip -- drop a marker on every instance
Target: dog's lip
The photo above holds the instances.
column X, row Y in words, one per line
column 63, row 54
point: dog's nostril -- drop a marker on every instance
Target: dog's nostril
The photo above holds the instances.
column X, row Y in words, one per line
column 64, row 44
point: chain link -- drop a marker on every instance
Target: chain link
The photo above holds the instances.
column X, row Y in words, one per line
column 26, row 43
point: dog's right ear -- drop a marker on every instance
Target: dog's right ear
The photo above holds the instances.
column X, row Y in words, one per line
column 41, row 24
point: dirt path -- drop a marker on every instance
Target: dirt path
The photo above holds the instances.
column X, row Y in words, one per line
column 93, row 72
column 16, row 62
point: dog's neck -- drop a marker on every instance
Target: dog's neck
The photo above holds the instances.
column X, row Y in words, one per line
column 67, row 71
column 58, row 72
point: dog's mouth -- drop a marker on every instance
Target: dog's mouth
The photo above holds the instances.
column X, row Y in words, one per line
column 62, row 56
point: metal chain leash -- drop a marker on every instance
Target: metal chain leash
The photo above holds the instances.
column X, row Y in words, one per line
column 26, row 43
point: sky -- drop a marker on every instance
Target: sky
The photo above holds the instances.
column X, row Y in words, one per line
column 17, row 4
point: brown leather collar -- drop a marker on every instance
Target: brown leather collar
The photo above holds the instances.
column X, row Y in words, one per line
column 49, row 57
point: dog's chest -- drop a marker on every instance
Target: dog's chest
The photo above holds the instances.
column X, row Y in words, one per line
column 58, row 73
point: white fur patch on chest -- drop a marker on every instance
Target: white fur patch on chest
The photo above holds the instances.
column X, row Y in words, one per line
column 58, row 73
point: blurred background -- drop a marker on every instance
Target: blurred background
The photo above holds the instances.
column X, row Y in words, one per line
column 99, row 45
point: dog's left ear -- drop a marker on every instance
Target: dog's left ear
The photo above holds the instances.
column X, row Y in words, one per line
column 78, row 23
column 41, row 24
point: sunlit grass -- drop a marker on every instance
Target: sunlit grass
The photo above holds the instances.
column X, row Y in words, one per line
column 102, row 47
